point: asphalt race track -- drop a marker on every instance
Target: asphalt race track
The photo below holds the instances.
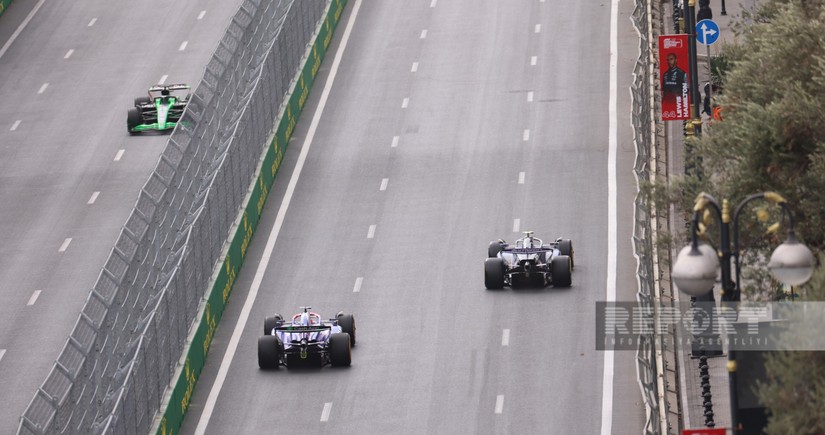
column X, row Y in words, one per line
column 450, row 123
column 68, row 168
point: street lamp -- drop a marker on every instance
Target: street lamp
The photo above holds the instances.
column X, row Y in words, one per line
column 696, row 266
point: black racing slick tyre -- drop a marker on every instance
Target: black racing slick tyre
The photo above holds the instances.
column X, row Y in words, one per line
column 269, row 352
column 493, row 249
column 142, row 100
column 133, row 119
column 566, row 248
column 561, row 271
column 494, row 273
column 340, row 350
column 271, row 322
column 347, row 324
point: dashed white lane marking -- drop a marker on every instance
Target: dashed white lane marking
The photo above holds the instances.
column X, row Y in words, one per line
column 2, row 352
column 505, row 337
column 526, row 135
column 358, row 282
column 68, row 54
column 183, row 45
column 200, row 15
column 326, row 411
column 395, row 141
column 371, row 232
column 530, row 97
column 538, row 28
column 65, row 245
column 414, row 67
column 534, row 60
column 119, row 155
column 34, row 297
column 43, row 88
column 21, row 27
column 405, row 103
column 93, row 198
column 433, row 3
column 163, row 79
column 232, row 347
column 521, row 178
column 424, row 34
column 92, row 23
column 499, row 403
column 384, row 183
column 15, row 125
column 516, row 225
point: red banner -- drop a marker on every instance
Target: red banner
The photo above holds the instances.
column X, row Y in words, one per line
column 674, row 73
column 705, row 431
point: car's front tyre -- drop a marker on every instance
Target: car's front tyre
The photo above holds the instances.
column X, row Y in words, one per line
column 566, row 248
column 347, row 324
column 133, row 119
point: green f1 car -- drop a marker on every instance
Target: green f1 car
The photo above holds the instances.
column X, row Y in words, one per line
column 160, row 110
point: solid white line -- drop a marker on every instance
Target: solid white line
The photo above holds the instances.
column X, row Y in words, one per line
column 358, row 282
column 384, row 184
column 65, row 245
column 610, row 296
column 325, row 412
column 209, row 406
column 505, row 337
column 530, row 97
column 15, row 125
column 92, row 23
column 395, row 141
column 119, row 155
column 200, row 15
column 43, row 88
column 21, row 27
column 534, row 60
column 414, row 67
column 405, row 103
column 163, row 79
column 424, row 34
column 2, row 352
column 433, row 3
column 183, row 45
column 371, row 232
column 521, row 178
column 68, row 54
column 526, row 135
column 538, row 28
column 34, row 297
column 516, row 225
column 93, row 198
column 499, row 403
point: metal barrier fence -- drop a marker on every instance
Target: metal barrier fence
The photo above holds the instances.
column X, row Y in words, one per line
column 656, row 355
column 112, row 372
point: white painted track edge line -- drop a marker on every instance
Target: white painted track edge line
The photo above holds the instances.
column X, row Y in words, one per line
column 21, row 27
column 212, row 398
column 610, row 296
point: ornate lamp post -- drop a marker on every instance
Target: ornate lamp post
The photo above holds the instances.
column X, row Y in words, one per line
column 696, row 266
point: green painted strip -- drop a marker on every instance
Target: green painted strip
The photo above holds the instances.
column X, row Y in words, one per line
column 174, row 413
column 3, row 5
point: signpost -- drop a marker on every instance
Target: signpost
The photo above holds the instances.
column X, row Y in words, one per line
column 707, row 32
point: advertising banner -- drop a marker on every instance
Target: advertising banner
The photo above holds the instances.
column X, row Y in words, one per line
column 674, row 73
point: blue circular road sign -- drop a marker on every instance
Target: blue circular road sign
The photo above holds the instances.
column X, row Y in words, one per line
column 707, row 32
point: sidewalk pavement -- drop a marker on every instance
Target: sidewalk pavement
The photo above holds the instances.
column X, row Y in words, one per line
column 693, row 412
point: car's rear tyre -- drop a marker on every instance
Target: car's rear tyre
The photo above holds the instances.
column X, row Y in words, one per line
column 142, row 100
column 347, row 324
column 561, row 271
column 271, row 322
column 133, row 119
column 494, row 273
column 269, row 352
column 566, row 248
column 493, row 249
column 340, row 350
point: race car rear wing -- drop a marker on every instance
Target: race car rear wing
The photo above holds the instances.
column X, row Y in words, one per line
column 303, row 329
